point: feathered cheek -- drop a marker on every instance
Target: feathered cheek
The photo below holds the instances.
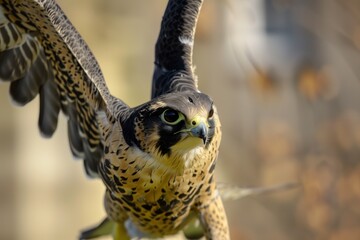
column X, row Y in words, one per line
column 152, row 137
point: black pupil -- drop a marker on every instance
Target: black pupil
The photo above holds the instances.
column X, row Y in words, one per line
column 211, row 113
column 171, row 116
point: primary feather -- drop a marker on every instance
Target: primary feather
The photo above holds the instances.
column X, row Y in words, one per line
column 42, row 53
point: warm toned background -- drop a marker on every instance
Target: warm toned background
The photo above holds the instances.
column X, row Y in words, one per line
column 286, row 79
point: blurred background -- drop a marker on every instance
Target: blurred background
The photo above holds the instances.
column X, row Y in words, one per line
column 285, row 77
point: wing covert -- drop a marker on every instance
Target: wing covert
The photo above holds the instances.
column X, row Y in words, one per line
column 42, row 53
column 174, row 47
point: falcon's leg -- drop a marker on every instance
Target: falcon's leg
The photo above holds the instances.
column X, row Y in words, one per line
column 103, row 229
column 194, row 230
column 213, row 219
column 115, row 212
column 119, row 232
column 106, row 228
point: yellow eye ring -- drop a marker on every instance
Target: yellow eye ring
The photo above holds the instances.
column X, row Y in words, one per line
column 171, row 117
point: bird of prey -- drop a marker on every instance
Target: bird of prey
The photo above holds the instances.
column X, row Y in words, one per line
column 156, row 160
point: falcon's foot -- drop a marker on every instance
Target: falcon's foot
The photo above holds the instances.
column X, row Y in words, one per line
column 105, row 228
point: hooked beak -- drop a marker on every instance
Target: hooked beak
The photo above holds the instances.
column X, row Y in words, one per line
column 200, row 131
column 197, row 128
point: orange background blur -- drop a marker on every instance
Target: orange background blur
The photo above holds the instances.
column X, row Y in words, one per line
column 285, row 77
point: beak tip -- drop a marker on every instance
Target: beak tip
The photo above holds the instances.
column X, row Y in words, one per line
column 200, row 131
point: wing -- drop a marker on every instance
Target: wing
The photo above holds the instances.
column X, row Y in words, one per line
column 174, row 47
column 42, row 53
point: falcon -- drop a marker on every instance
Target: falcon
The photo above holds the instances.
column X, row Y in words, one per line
column 156, row 160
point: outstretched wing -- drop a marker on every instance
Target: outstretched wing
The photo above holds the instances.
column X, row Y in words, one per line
column 42, row 53
column 174, row 47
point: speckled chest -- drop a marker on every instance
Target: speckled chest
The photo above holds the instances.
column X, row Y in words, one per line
column 157, row 200
column 148, row 191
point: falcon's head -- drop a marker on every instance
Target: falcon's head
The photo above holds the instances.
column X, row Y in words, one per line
column 173, row 124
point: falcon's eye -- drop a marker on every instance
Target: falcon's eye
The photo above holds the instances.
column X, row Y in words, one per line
column 211, row 113
column 171, row 116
